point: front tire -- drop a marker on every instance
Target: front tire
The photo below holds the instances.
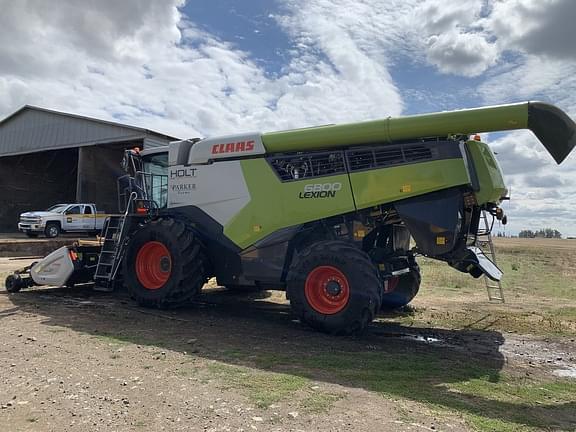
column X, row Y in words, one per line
column 165, row 264
column 13, row 283
column 401, row 290
column 52, row 230
column 334, row 287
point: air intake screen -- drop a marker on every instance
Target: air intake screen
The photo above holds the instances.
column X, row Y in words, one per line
column 383, row 156
column 301, row 166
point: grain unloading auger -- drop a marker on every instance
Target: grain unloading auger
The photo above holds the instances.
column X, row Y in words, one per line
column 324, row 213
column 551, row 125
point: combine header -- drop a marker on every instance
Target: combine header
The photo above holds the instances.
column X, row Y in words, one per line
column 324, row 213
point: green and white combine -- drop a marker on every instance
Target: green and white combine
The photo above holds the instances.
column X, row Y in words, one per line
column 324, row 213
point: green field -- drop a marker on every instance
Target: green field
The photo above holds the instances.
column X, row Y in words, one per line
column 539, row 287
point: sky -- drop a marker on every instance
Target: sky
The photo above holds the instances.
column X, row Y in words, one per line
column 204, row 68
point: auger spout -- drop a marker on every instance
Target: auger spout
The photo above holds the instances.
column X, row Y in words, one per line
column 552, row 126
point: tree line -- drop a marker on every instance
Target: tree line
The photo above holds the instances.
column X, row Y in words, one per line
column 542, row 233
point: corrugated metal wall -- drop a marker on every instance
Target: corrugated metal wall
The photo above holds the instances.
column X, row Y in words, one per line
column 31, row 131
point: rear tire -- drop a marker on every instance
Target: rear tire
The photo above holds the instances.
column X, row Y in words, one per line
column 13, row 283
column 334, row 287
column 52, row 230
column 402, row 290
column 165, row 264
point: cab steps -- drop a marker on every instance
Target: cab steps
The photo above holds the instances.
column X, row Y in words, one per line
column 113, row 250
column 484, row 242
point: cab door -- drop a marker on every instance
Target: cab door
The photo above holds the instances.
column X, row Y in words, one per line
column 88, row 221
column 73, row 218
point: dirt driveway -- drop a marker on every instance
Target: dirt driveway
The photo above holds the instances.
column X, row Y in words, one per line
column 79, row 360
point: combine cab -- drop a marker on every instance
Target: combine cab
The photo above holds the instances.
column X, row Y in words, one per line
column 325, row 213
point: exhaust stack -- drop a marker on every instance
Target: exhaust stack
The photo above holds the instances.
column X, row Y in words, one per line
column 552, row 126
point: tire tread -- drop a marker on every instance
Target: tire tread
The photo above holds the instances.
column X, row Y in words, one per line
column 368, row 297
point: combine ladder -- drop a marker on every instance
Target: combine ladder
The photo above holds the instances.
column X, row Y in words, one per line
column 484, row 242
column 112, row 251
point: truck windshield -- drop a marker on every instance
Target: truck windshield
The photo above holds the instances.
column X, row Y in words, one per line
column 58, row 208
column 156, row 177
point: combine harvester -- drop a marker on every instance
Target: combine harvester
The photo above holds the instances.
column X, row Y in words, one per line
column 324, row 213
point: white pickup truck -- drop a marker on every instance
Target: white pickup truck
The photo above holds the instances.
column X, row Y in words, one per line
column 62, row 218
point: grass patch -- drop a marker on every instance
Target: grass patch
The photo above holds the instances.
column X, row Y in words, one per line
column 534, row 272
column 262, row 388
column 539, row 286
column 112, row 339
column 552, row 322
column 320, row 402
column 568, row 313
column 521, row 406
column 446, row 381
column 186, row 372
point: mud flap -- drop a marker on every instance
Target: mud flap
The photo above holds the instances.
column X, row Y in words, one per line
column 477, row 264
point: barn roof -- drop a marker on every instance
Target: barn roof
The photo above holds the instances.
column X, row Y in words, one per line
column 33, row 129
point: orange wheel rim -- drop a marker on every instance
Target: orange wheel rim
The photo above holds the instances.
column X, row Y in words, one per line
column 153, row 265
column 327, row 290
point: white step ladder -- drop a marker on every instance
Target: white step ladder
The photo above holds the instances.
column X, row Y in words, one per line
column 113, row 249
column 484, row 242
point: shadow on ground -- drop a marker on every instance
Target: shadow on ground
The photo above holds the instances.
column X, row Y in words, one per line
column 419, row 364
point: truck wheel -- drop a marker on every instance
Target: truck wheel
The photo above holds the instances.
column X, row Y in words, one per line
column 165, row 264
column 13, row 283
column 401, row 290
column 52, row 230
column 334, row 287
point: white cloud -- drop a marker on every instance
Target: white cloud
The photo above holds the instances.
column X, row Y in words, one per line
column 539, row 27
column 142, row 62
column 519, row 49
column 542, row 194
column 440, row 16
column 452, row 37
column 466, row 54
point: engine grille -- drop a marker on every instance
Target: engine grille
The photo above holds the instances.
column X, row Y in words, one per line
column 30, row 219
column 301, row 165
column 385, row 156
column 308, row 165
